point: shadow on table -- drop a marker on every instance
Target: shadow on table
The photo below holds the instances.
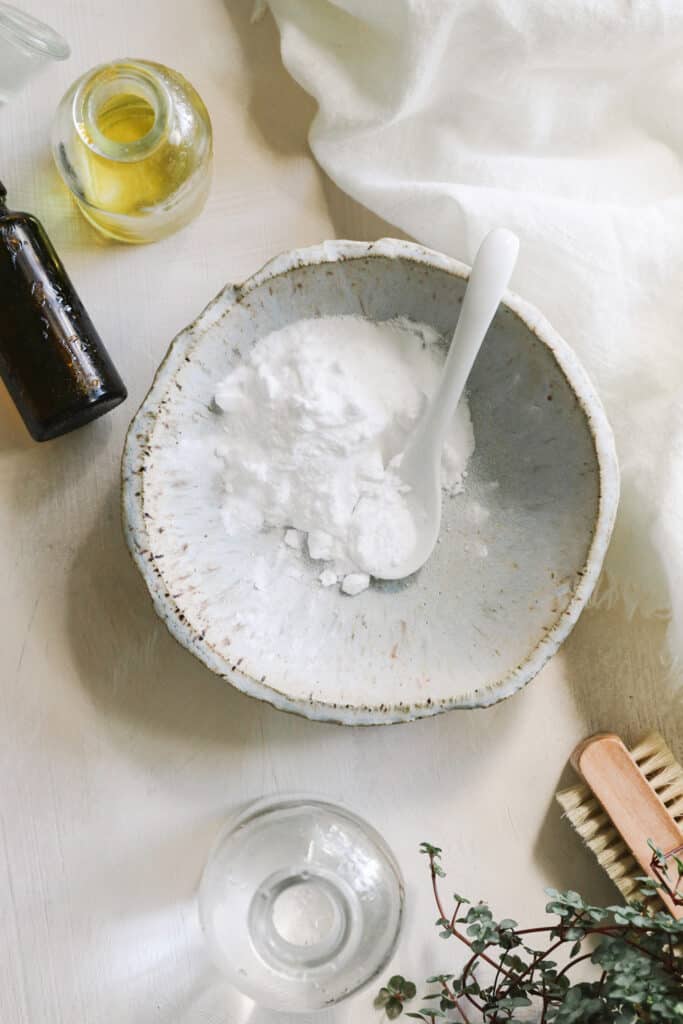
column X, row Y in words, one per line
column 14, row 437
column 279, row 108
column 616, row 676
column 214, row 1000
column 259, row 1015
column 45, row 469
column 282, row 112
column 132, row 667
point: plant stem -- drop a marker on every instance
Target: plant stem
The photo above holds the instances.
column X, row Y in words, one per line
column 455, row 914
column 454, row 931
column 545, row 1004
column 573, row 963
column 466, row 1019
column 463, row 978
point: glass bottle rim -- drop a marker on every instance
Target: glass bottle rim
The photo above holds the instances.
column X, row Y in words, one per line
column 23, row 30
column 263, row 806
column 125, row 76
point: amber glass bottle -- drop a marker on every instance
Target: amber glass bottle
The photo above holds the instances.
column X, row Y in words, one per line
column 52, row 360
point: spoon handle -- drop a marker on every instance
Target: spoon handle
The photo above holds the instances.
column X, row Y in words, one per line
column 491, row 272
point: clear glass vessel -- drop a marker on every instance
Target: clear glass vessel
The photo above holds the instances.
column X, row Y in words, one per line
column 132, row 140
column 301, row 903
column 26, row 47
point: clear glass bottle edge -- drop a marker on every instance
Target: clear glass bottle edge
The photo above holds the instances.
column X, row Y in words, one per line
column 260, row 806
column 42, row 40
column 148, row 227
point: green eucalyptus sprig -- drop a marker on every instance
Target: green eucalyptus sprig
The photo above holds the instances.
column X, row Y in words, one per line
column 636, row 957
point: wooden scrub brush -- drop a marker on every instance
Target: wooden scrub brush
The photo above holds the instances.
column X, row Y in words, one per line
column 627, row 799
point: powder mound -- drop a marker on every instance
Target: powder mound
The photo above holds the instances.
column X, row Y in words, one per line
column 311, row 421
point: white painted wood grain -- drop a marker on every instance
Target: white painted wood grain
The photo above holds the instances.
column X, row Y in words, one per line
column 119, row 754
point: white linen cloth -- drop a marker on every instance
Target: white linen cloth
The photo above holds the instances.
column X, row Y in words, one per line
column 562, row 120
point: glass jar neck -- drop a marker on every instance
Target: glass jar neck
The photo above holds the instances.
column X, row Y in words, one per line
column 122, row 111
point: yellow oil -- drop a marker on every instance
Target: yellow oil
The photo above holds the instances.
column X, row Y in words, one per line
column 118, row 192
column 125, row 118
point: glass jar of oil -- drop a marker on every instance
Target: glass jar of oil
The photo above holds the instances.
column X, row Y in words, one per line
column 132, row 140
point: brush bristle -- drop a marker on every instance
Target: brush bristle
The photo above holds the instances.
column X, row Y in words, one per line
column 587, row 816
column 662, row 771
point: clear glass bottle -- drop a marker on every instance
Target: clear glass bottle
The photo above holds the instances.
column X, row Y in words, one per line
column 26, row 47
column 301, row 903
column 132, row 140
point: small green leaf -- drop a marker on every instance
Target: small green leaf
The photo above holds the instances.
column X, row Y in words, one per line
column 655, row 849
column 511, row 1002
column 431, row 851
column 395, row 984
column 394, row 1008
column 409, row 990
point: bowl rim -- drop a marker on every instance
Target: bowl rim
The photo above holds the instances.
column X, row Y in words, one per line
column 137, row 450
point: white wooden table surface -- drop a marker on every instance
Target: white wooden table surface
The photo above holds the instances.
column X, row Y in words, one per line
column 120, row 755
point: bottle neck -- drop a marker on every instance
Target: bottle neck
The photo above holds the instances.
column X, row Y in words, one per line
column 122, row 111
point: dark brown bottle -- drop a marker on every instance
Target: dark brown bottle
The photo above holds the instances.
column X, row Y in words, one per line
column 52, row 360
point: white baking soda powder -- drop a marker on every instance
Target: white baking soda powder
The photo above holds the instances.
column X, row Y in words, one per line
column 311, row 422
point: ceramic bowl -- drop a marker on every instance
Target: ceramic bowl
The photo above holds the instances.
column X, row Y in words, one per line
column 520, row 550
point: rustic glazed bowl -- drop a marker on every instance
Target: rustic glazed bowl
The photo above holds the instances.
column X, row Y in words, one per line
column 520, row 549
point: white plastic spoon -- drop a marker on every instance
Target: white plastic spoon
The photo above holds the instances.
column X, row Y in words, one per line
column 419, row 466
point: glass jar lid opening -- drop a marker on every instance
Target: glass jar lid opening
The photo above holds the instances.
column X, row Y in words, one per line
column 122, row 111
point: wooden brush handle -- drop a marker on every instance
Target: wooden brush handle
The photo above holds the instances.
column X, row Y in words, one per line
column 633, row 806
